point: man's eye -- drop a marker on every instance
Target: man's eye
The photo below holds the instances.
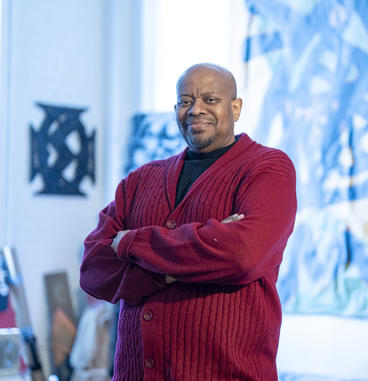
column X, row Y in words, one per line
column 184, row 102
column 211, row 100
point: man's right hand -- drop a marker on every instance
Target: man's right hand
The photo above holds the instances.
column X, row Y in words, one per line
column 233, row 218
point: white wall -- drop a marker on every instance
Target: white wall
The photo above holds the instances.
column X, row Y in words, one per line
column 178, row 34
column 324, row 345
column 122, row 78
column 61, row 52
column 55, row 56
column 4, row 132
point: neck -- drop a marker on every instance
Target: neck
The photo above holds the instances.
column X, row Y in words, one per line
column 213, row 148
column 198, row 155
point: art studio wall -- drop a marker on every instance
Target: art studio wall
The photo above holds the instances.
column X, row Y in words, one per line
column 111, row 67
column 58, row 75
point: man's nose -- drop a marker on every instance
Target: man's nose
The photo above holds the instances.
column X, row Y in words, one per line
column 197, row 107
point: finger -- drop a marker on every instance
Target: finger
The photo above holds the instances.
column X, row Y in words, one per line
column 238, row 217
column 233, row 218
column 227, row 220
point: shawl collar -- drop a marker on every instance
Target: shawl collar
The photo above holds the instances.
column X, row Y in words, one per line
column 174, row 169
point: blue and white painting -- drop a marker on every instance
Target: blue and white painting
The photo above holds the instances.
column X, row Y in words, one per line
column 155, row 136
column 315, row 107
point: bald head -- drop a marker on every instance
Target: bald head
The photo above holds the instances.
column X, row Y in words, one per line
column 207, row 107
column 221, row 74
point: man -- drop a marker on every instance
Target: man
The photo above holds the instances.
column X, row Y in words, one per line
column 192, row 246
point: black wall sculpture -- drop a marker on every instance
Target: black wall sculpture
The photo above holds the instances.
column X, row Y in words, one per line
column 53, row 133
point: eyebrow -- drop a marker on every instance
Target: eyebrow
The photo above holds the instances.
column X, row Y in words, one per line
column 204, row 94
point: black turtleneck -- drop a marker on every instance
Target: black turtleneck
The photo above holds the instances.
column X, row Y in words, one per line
column 194, row 165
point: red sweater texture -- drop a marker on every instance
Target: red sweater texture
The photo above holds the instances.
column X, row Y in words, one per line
column 221, row 319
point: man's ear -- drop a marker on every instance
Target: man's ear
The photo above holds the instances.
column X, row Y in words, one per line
column 175, row 107
column 237, row 106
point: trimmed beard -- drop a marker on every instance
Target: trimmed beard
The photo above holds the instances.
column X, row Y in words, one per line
column 198, row 143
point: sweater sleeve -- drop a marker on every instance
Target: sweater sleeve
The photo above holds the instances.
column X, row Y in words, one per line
column 106, row 276
column 231, row 254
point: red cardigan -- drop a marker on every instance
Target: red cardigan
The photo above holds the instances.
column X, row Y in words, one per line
column 221, row 320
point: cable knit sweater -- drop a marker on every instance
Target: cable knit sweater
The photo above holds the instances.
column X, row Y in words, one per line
column 221, row 319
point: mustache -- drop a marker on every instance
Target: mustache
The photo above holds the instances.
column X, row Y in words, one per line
column 198, row 120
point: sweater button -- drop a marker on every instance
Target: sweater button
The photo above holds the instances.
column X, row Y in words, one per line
column 149, row 363
column 171, row 224
column 147, row 315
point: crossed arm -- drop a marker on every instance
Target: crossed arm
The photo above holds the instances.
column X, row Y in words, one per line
column 169, row 279
column 134, row 264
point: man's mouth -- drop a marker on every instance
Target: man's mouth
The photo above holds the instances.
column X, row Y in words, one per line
column 198, row 125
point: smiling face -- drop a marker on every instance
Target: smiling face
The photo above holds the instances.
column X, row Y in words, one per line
column 207, row 107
